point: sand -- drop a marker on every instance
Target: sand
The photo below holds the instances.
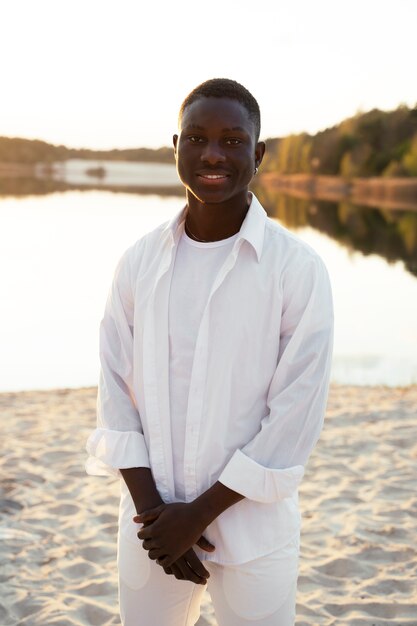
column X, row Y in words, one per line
column 359, row 501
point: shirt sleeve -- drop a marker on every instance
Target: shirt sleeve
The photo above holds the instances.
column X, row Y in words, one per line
column 271, row 466
column 118, row 440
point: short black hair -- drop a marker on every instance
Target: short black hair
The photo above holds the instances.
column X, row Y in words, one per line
column 226, row 88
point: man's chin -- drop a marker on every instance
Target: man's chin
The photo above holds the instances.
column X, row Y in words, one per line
column 207, row 198
column 210, row 196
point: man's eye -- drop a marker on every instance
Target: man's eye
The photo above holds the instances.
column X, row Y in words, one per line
column 233, row 141
column 195, row 139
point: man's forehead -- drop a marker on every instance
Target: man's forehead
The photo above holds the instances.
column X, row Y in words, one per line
column 227, row 129
column 227, row 111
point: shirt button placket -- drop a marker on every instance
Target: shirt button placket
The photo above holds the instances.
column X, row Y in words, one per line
column 195, row 411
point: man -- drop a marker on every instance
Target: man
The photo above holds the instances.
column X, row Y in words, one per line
column 215, row 351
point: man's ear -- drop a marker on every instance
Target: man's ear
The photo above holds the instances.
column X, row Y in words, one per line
column 174, row 141
column 259, row 152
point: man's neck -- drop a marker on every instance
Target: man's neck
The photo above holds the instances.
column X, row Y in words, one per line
column 213, row 222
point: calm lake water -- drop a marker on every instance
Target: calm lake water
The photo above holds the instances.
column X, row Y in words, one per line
column 57, row 256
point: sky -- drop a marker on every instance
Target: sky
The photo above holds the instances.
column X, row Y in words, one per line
column 112, row 74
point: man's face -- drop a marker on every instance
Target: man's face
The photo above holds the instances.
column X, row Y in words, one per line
column 216, row 149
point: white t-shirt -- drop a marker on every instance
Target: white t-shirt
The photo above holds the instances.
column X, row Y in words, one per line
column 196, row 266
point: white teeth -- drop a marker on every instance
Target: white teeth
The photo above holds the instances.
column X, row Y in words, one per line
column 213, row 176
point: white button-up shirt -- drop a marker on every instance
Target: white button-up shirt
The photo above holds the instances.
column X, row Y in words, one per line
column 258, row 388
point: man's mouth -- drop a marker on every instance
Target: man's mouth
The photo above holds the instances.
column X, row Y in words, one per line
column 213, row 178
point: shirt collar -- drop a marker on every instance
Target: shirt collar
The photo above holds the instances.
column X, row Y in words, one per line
column 253, row 226
column 252, row 229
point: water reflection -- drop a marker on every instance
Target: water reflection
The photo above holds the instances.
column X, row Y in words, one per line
column 80, row 175
column 29, row 186
column 58, row 253
column 391, row 234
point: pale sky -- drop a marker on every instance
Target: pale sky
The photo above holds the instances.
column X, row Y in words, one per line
column 107, row 73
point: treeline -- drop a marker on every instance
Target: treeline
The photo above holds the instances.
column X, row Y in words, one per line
column 376, row 143
column 27, row 151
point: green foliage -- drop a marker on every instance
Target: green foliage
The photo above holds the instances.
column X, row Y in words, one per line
column 356, row 161
column 394, row 170
column 369, row 144
column 409, row 160
column 288, row 155
column 16, row 150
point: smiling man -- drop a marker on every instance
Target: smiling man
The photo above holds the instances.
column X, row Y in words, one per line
column 215, row 351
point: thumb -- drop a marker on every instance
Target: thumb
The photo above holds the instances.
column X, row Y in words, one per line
column 205, row 544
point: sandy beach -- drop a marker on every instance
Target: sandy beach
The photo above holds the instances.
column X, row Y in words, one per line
column 359, row 502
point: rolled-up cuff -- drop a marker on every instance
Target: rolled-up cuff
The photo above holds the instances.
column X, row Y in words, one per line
column 111, row 450
column 262, row 484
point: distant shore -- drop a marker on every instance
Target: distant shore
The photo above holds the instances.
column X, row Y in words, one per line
column 58, row 526
column 16, row 170
column 386, row 193
column 19, row 179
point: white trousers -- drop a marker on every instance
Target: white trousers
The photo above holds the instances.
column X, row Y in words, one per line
column 258, row 593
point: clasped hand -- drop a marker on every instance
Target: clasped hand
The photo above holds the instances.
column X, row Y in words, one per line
column 170, row 530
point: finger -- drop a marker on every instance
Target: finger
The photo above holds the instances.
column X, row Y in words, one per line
column 196, row 565
column 166, row 561
column 188, row 573
column 154, row 554
column 146, row 517
column 177, row 572
column 205, row 544
column 150, row 513
column 145, row 533
column 147, row 544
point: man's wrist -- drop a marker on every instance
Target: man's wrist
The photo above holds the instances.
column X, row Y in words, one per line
column 142, row 488
column 210, row 504
column 145, row 504
column 203, row 511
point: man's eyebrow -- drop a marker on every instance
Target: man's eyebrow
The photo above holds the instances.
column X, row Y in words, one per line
column 238, row 128
column 224, row 130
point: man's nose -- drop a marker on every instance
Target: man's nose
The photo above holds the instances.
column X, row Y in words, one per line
column 212, row 153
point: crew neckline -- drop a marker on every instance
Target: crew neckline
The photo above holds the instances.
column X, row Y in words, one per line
column 208, row 244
